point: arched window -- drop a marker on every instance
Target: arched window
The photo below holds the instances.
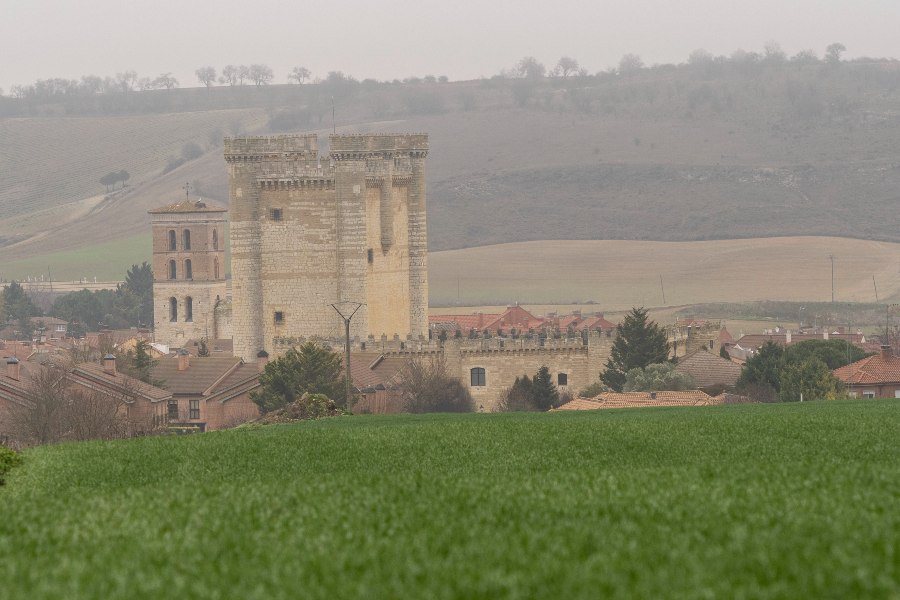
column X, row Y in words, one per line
column 186, row 239
column 478, row 378
column 172, row 239
column 216, row 268
column 188, row 270
column 172, row 269
column 173, row 309
column 215, row 239
column 188, row 309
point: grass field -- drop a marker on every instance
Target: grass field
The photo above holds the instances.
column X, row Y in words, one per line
column 106, row 260
column 765, row 501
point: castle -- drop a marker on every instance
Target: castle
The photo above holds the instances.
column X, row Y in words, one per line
column 308, row 232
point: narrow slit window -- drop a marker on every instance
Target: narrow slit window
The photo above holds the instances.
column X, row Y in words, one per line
column 188, row 309
column 173, row 309
column 186, row 239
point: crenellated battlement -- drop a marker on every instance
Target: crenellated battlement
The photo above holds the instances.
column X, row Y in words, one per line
column 260, row 148
column 363, row 146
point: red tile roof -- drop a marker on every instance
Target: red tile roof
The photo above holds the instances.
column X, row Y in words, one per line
column 708, row 369
column 877, row 369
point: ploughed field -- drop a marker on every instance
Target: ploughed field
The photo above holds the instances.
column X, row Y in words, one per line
column 759, row 501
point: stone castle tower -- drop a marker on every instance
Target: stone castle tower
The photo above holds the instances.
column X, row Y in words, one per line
column 308, row 231
column 188, row 270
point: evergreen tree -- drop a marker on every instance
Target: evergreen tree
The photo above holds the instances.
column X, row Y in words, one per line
column 310, row 368
column 639, row 343
column 17, row 306
column 763, row 368
column 544, row 394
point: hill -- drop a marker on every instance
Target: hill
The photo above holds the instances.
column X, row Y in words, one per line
column 616, row 274
column 764, row 501
column 691, row 152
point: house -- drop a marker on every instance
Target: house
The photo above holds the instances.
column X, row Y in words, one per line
column 876, row 376
column 642, row 400
column 708, row 369
column 140, row 406
column 374, row 376
column 209, row 392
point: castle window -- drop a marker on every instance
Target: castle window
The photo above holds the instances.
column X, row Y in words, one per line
column 195, row 409
column 188, row 270
column 216, row 267
column 279, row 317
column 172, row 269
column 186, row 239
column 371, row 254
column 172, row 239
column 188, row 309
column 562, row 379
column 173, row 309
column 478, row 377
column 276, row 214
column 172, row 411
column 215, row 239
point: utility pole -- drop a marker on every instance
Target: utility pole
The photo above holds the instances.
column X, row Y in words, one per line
column 347, row 317
column 831, row 256
column 662, row 289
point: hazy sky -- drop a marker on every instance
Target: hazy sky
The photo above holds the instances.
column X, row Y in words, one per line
column 387, row 39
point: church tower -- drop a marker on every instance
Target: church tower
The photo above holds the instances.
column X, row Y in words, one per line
column 188, row 270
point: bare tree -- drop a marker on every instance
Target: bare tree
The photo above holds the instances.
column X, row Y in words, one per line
column 126, row 80
column 98, row 415
column 260, row 74
column 833, row 52
column 206, row 76
column 630, row 63
column 426, row 386
column 166, row 80
column 530, row 68
column 42, row 417
column 243, row 72
column 299, row 74
column 567, row 66
column 229, row 75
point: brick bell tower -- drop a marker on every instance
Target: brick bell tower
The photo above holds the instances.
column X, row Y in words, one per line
column 188, row 270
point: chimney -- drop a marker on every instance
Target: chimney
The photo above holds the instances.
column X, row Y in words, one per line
column 12, row 368
column 787, row 337
column 886, row 352
column 653, row 395
column 184, row 360
column 109, row 364
column 262, row 359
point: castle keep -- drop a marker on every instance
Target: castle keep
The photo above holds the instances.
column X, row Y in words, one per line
column 308, row 231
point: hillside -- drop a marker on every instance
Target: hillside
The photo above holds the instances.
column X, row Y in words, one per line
column 671, row 153
column 761, row 501
column 616, row 275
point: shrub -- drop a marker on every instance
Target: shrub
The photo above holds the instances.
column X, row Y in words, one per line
column 8, row 460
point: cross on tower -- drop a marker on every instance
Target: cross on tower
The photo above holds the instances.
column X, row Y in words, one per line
column 187, row 191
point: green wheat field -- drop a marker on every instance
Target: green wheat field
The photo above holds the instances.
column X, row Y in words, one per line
column 753, row 501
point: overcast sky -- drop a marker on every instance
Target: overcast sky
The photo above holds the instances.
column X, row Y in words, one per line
column 387, row 39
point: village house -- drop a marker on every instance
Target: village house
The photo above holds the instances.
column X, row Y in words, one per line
column 876, row 376
column 207, row 393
